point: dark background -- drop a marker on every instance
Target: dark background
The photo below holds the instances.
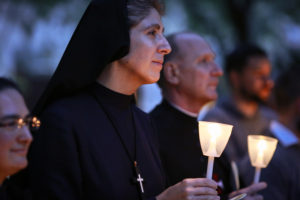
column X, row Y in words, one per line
column 34, row 33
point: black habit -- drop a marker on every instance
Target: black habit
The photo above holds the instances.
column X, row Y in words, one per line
column 90, row 136
column 78, row 154
column 3, row 195
column 180, row 150
column 11, row 191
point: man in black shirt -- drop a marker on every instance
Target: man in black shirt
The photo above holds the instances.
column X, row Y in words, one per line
column 188, row 81
column 283, row 171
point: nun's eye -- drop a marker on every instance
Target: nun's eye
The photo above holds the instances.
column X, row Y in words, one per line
column 152, row 32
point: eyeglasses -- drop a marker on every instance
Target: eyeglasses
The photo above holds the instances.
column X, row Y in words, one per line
column 13, row 123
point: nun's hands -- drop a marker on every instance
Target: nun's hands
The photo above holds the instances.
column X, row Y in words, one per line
column 251, row 191
column 191, row 189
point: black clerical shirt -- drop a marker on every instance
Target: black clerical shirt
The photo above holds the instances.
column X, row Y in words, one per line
column 180, row 149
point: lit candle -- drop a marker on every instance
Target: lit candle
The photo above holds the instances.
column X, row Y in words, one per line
column 213, row 139
column 261, row 150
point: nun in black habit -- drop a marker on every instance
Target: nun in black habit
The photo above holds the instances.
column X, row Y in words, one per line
column 94, row 143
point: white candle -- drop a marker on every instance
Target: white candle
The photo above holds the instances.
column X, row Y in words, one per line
column 213, row 139
column 261, row 149
column 210, row 166
column 257, row 174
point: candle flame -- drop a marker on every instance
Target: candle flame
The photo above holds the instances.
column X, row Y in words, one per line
column 262, row 146
column 215, row 132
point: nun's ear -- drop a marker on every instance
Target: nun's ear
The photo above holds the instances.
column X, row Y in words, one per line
column 171, row 73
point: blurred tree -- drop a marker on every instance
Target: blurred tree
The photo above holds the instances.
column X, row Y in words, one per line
column 274, row 25
column 33, row 36
column 41, row 7
column 271, row 24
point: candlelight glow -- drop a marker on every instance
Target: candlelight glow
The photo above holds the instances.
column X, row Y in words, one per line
column 261, row 150
column 213, row 137
column 214, row 134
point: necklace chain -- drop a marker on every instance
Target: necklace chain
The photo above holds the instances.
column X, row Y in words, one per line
column 138, row 180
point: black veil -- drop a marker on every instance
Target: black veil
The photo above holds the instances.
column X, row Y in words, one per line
column 101, row 37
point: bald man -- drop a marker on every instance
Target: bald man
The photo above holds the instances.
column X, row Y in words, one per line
column 188, row 81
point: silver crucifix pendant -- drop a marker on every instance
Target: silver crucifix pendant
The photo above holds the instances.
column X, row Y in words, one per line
column 139, row 177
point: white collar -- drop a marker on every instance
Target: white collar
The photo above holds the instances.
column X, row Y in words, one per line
column 284, row 135
column 188, row 113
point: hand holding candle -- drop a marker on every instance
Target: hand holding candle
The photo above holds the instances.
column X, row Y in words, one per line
column 261, row 150
column 213, row 139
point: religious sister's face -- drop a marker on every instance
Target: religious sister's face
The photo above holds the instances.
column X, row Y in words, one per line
column 147, row 49
column 14, row 139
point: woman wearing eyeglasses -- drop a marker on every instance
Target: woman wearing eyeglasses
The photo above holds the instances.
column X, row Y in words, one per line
column 15, row 136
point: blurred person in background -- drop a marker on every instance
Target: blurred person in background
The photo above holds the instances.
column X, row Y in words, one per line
column 188, row 81
column 15, row 136
column 247, row 70
column 283, row 172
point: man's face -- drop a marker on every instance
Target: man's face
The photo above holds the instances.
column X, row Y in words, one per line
column 147, row 49
column 198, row 72
column 14, row 141
column 254, row 81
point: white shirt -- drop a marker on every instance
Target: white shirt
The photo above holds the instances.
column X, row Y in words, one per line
column 283, row 134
